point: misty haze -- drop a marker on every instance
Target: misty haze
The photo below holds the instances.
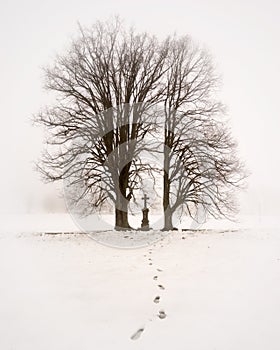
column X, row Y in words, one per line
column 140, row 193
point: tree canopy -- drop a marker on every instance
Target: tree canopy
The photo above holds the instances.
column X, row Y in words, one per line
column 109, row 86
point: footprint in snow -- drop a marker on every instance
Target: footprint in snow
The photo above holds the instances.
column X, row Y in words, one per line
column 162, row 314
column 161, row 286
column 137, row 334
column 155, row 278
column 157, row 299
column 159, row 270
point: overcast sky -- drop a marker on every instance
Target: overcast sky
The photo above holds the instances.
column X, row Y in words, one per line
column 243, row 37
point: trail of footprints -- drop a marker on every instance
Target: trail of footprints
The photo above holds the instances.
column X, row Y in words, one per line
column 161, row 314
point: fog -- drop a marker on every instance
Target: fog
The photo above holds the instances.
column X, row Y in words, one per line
column 242, row 37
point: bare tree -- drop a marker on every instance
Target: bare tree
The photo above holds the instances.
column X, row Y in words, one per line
column 105, row 85
column 201, row 169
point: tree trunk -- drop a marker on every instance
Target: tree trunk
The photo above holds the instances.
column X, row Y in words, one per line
column 121, row 210
column 121, row 220
column 166, row 193
column 168, row 221
column 166, row 205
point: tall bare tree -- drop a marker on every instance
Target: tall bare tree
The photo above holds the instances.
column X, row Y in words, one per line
column 201, row 168
column 107, row 86
column 104, row 84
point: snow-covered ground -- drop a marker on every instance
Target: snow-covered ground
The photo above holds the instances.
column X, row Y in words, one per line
column 219, row 290
column 66, row 222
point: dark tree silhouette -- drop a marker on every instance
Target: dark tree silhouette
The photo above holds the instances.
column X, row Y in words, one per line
column 201, row 169
column 105, row 85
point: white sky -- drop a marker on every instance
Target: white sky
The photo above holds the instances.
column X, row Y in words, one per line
column 243, row 37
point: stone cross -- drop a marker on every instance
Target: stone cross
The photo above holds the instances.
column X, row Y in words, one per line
column 145, row 211
column 145, row 200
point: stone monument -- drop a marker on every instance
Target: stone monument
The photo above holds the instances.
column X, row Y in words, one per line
column 145, row 221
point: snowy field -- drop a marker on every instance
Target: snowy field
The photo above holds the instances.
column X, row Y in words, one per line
column 206, row 290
